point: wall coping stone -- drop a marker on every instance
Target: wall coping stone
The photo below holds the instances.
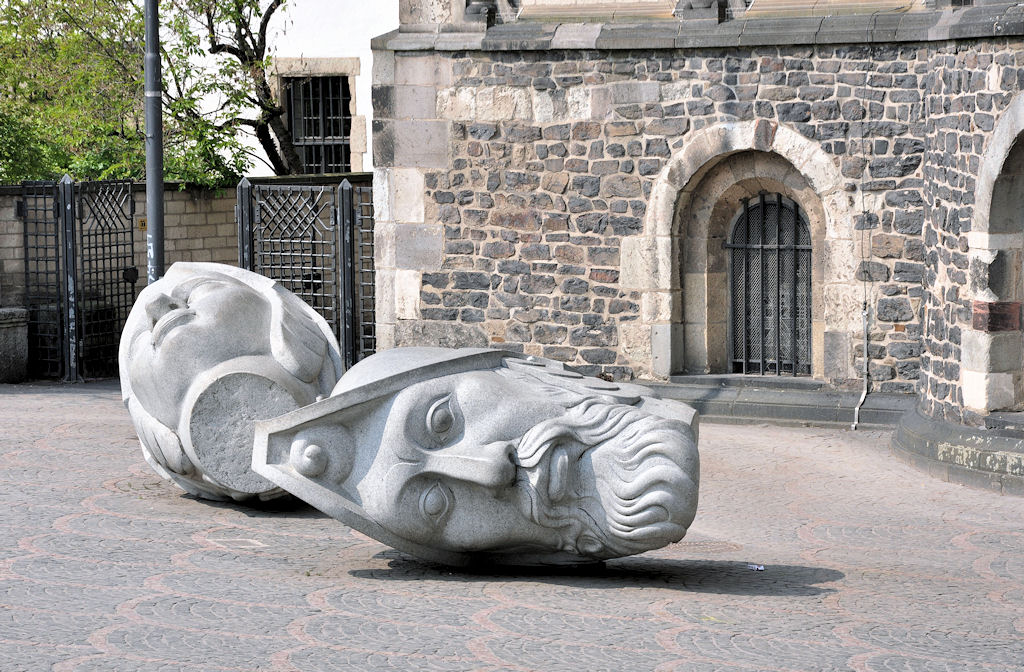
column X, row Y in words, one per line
column 13, row 318
column 991, row 459
column 991, row 20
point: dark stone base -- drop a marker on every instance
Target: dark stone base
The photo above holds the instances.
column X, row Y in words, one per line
column 783, row 400
column 992, row 459
column 13, row 344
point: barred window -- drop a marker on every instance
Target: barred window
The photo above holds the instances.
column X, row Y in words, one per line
column 770, row 261
column 320, row 121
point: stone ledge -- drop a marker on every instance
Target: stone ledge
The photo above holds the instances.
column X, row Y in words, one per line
column 1002, row 20
column 783, row 401
column 13, row 317
column 991, row 459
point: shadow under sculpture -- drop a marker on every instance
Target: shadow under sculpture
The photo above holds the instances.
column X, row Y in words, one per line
column 481, row 456
column 206, row 351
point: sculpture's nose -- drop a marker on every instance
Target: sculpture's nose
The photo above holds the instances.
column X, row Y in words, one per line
column 491, row 465
column 160, row 305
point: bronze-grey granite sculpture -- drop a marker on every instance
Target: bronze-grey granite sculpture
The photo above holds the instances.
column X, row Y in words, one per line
column 206, row 351
column 475, row 455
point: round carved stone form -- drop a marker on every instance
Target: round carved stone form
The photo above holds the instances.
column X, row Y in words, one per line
column 482, row 456
column 207, row 351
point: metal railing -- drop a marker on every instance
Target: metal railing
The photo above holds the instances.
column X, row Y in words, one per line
column 80, row 275
column 316, row 239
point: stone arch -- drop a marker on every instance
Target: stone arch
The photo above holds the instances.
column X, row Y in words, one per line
column 759, row 155
column 991, row 375
column 703, row 225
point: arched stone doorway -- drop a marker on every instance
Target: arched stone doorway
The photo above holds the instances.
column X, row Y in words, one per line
column 678, row 264
column 731, row 287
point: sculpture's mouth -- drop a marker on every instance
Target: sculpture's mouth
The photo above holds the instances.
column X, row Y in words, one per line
column 170, row 321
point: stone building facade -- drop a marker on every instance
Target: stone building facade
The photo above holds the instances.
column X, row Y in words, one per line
column 571, row 187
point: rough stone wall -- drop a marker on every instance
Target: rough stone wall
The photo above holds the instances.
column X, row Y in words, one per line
column 198, row 226
column 551, row 160
column 967, row 87
column 12, row 254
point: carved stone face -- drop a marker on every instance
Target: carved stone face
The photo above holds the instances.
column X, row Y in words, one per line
column 193, row 326
column 207, row 351
column 520, row 463
column 447, row 470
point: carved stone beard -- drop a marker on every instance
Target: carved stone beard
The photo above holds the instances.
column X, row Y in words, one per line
column 611, row 479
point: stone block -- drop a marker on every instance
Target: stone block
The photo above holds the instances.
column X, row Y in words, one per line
column 635, row 343
column 415, row 69
column 408, row 285
column 695, row 355
column 842, row 306
column 579, row 101
column 455, row 104
column 407, row 188
column 840, row 262
column 418, row 247
column 660, row 307
column 635, row 92
column 420, row 144
column 694, row 298
column 647, row 262
column 383, row 143
column 837, row 355
column 667, row 349
column 576, row 36
column 894, row 310
column 504, row 103
column 987, row 391
column 887, row 246
column 996, row 315
column 985, row 352
column 383, row 68
column 13, row 345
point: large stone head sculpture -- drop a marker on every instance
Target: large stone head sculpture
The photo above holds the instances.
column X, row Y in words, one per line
column 206, row 351
column 463, row 456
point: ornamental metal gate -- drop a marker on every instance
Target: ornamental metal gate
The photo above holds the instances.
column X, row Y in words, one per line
column 80, row 275
column 770, row 288
column 317, row 241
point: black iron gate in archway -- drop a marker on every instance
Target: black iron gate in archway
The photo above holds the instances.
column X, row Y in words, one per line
column 770, row 283
column 80, row 275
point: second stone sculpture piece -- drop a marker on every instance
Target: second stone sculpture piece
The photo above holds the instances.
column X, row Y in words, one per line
column 208, row 350
column 482, row 456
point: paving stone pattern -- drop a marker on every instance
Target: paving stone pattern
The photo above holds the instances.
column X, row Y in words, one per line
column 868, row 565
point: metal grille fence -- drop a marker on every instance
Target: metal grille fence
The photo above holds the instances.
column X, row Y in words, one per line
column 770, row 277
column 39, row 209
column 107, row 274
column 317, row 241
column 79, row 275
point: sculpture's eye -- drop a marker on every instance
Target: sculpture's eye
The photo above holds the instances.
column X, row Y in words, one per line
column 440, row 417
column 435, row 503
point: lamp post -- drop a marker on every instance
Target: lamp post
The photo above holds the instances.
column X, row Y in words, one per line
column 154, row 145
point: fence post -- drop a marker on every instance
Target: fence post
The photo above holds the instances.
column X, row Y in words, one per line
column 346, row 272
column 69, row 286
column 243, row 215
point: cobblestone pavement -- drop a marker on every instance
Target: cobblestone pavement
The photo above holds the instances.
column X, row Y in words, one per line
column 868, row 565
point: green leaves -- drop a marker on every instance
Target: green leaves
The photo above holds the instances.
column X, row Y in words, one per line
column 71, row 88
